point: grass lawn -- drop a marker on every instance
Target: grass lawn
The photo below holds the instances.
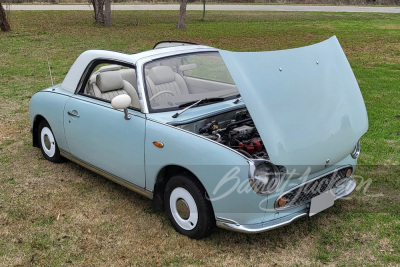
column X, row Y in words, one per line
column 61, row 214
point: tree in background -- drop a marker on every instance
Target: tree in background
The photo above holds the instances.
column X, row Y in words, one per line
column 204, row 9
column 107, row 13
column 98, row 6
column 102, row 12
column 4, row 25
column 182, row 15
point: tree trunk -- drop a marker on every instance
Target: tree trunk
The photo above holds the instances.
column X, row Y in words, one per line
column 98, row 10
column 204, row 10
column 182, row 15
column 4, row 26
column 107, row 13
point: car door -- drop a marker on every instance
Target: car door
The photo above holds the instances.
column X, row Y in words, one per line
column 99, row 135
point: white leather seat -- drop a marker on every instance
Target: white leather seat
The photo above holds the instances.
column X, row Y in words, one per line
column 129, row 75
column 106, row 68
column 110, row 84
column 162, row 78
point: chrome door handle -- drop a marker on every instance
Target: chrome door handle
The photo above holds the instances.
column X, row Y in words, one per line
column 73, row 113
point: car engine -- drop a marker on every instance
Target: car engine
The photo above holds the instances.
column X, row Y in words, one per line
column 235, row 130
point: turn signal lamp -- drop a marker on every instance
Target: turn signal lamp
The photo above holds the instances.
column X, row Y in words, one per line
column 282, row 202
column 158, row 144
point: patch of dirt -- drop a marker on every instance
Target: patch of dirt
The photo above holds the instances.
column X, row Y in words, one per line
column 390, row 27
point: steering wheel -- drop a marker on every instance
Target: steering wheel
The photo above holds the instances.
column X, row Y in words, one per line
column 162, row 92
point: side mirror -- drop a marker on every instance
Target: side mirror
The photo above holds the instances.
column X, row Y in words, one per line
column 122, row 102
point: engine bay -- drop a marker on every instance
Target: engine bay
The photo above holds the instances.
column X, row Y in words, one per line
column 234, row 129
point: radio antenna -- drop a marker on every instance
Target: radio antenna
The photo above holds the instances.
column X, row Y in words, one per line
column 51, row 77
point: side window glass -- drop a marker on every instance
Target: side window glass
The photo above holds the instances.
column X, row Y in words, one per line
column 108, row 80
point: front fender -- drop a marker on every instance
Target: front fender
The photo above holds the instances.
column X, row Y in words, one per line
column 222, row 172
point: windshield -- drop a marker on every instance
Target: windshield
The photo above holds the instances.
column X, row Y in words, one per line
column 173, row 83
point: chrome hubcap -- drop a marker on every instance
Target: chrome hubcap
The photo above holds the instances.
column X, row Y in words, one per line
column 183, row 209
column 47, row 142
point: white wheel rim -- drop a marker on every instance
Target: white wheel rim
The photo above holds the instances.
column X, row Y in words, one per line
column 48, row 142
column 179, row 194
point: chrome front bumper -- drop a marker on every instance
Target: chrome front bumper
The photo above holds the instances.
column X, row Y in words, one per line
column 272, row 224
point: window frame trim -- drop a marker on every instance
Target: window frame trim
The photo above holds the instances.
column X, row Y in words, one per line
column 89, row 71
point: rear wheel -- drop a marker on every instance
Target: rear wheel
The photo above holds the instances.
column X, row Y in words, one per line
column 48, row 144
column 188, row 209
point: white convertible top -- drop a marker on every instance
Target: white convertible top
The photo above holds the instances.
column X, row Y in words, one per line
column 74, row 75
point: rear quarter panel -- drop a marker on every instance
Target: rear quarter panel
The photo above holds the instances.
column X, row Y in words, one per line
column 50, row 104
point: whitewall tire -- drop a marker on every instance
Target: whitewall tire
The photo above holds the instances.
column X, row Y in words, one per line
column 48, row 144
column 188, row 209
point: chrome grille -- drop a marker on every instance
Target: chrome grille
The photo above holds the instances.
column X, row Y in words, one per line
column 303, row 193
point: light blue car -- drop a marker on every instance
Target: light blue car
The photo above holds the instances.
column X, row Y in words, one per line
column 244, row 141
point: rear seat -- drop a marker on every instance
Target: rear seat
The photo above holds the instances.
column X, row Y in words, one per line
column 110, row 81
column 128, row 75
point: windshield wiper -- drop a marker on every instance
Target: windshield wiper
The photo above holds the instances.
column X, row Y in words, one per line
column 191, row 104
column 203, row 100
column 238, row 99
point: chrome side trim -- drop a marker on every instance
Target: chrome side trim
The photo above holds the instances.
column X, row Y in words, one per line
column 108, row 175
column 225, row 220
column 307, row 182
column 260, row 227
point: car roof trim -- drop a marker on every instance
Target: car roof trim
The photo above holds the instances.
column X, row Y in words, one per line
column 74, row 75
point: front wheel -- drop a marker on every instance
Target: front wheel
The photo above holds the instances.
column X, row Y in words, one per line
column 188, row 209
column 48, row 144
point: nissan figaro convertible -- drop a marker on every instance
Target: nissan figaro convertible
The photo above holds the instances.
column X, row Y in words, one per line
column 246, row 141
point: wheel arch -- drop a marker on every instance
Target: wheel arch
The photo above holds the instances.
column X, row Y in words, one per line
column 162, row 179
column 35, row 129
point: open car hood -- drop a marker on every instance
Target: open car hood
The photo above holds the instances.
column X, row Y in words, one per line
column 305, row 102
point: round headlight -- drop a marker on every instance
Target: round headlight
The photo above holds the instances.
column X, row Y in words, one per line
column 265, row 179
column 356, row 151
